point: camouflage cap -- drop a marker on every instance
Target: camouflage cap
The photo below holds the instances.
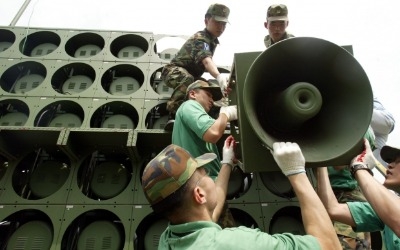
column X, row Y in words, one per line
column 170, row 170
column 219, row 12
column 277, row 12
column 389, row 154
column 214, row 89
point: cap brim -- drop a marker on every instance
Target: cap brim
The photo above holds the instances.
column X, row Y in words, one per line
column 221, row 19
column 389, row 154
column 205, row 158
column 277, row 18
column 215, row 91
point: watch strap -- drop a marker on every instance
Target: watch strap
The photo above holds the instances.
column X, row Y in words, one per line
column 354, row 168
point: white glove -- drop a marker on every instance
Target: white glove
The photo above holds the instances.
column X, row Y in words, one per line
column 366, row 157
column 230, row 112
column 289, row 157
column 223, row 83
column 228, row 154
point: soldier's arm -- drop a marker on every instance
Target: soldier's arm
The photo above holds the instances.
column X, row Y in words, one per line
column 337, row 211
column 216, row 131
column 221, row 185
column 210, row 66
column 315, row 218
column 385, row 203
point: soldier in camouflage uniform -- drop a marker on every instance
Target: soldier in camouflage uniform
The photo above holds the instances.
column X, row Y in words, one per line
column 346, row 189
column 276, row 24
column 195, row 58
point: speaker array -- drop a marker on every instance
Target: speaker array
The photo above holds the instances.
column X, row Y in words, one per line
column 89, row 68
column 81, row 114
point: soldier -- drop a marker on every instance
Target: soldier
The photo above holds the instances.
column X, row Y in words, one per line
column 198, row 133
column 195, row 58
column 195, row 130
column 346, row 189
column 276, row 24
column 177, row 185
column 381, row 212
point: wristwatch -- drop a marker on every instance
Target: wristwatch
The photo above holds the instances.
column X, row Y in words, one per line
column 354, row 168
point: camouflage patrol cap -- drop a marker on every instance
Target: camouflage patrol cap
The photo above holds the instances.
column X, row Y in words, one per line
column 389, row 154
column 170, row 170
column 277, row 12
column 214, row 89
column 219, row 12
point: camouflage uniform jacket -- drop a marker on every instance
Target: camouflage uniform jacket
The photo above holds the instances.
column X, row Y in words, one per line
column 199, row 46
column 268, row 41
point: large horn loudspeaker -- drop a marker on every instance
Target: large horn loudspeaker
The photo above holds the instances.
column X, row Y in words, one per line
column 304, row 90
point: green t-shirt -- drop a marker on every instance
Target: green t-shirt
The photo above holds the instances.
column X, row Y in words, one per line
column 341, row 179
column 191, row 122
column 209, row 235
column 368, row 221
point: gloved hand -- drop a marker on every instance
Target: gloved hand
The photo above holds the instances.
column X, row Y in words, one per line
column 230, row 112
column 223, row 83
column 228, row 154
column 366, row 157
column 289, row 157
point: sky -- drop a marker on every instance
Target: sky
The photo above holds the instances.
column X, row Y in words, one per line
column 370, row 26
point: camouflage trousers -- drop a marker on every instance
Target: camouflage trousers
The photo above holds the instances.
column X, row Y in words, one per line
column 347, row 237
column 179, row 79
column 226, row 218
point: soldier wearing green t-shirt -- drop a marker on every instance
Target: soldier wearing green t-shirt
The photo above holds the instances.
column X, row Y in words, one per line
column 346, row 189
column 381, row 212
column 197, row 132
column 177, row 185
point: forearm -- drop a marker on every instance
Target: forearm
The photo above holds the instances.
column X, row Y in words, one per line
column 210, row 67
column 325, row 191
column 216, row 131
column 221, row 185
column 384, row 202
column 337, row 211
column 315, row 218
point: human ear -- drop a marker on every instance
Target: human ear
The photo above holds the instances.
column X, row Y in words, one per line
column 191, row 94
column 199, row 195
